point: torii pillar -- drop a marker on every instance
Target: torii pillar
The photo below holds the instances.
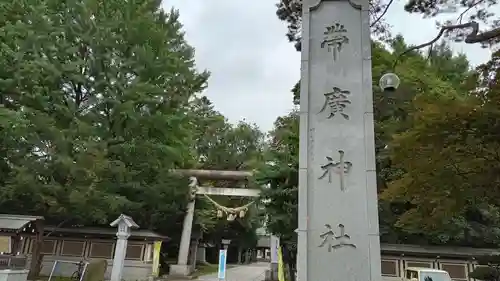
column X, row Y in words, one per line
column 182, row 268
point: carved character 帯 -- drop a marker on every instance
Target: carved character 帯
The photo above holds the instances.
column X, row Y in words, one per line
column 334, row 39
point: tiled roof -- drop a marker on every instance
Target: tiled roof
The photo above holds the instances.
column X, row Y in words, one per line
column 16, row 222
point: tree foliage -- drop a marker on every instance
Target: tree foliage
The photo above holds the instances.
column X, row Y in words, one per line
column 280, row 175
column 94, row 106
column 221, row 145
column 99, row 102
column 450, row 178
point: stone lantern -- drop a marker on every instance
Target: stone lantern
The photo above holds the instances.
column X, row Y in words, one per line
column 124, row 224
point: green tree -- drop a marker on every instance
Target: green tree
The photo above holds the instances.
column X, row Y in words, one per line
column 280, row 174
column 221, row 145
column 95, row 96
column 450, row 178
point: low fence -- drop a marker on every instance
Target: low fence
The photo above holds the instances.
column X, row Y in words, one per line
column 12, row 262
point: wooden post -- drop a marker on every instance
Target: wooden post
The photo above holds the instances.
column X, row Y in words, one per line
column 16, row 244
column 36, row 254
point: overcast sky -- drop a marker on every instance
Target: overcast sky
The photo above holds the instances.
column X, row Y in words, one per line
column 253, row 67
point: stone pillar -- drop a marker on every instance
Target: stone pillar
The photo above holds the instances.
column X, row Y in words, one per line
column 275, row 244
column 338, row 215
column 119, row 258
column 182, row 268
column 124, row 224
column 187, row 228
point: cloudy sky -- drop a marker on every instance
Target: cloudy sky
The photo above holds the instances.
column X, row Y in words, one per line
column 252, row 65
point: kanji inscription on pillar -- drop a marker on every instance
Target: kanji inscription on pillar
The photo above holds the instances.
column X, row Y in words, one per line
column 334, row 39
column 337, row 101
column 338, row 229
column 334, row 241
column 340, row 167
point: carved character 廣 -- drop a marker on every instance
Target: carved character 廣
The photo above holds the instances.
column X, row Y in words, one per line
column 337, row 100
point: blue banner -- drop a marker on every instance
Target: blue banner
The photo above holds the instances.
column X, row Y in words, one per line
column 222, row 265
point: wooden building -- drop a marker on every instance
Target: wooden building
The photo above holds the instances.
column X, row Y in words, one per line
column 13, row 229
column 87, row 243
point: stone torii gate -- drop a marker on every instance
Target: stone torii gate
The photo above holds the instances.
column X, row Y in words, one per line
column 182, row 268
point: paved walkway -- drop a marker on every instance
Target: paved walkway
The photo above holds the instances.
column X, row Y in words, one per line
column 249, row 272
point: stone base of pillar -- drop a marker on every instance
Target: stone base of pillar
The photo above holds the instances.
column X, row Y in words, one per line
column 274, row 271
column 268, row 276
column 14, row 274
column 180, row 270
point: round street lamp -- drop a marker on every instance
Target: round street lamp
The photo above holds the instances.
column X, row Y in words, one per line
column 389, row 82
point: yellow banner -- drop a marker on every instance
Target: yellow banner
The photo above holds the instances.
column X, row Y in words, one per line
column 281, row 268
column 156, row 258
column 5, row 244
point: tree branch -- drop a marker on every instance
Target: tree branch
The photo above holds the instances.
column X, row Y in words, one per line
column 459, row 19
column 382, row 14
column 55, row 228
column 471, row 38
